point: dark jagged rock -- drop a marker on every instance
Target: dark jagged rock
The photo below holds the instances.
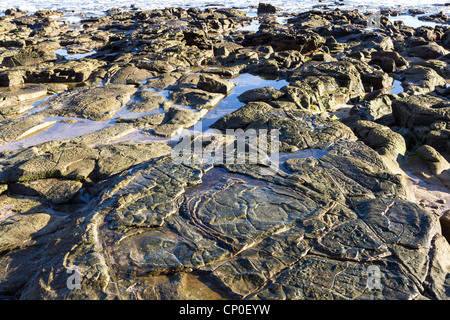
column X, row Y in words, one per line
column 306, row 42
column 431, row 51
column 265, row 8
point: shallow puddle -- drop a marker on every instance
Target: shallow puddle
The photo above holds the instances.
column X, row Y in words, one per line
column 303, row 154
column 231, row 103
column 397, row 87
column 62, row 129
column 37, row 103
column 254, row 26
column 65, row 54
column 70, row 127
column 77, row 127
column 413, row 21
column 212, row 177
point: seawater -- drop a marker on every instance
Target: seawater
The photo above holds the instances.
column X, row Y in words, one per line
column 99, row 7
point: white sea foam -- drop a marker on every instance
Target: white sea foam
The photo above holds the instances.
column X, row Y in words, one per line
column 98, row 7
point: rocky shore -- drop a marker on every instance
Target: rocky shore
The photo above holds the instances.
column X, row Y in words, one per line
column 92, row 206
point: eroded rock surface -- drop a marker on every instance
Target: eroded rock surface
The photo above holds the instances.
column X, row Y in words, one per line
column 337, row 216
column 97, row 103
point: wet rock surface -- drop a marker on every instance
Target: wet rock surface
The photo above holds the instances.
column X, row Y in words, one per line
column 90, row 119
column 97, row 103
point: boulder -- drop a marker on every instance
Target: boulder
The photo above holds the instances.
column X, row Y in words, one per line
column 440, row 66
column 387, row 64
column 380, row 138
column 376, row 80
column 439, row 268
column 295, row 126
column 12, row 77
column 21, row 94
column 345, row 74
column 399, row 60
column 130, row 75
column 196, row 98
column 260, row 94
column 67, row 161
column 420, row 110
column 265, row 8
column 143, row 122
column 327, row 214
column 426, row 158
column 305, row 42
column 445, row 224
column 420, row 80
column 214, row 84
column 427, row 51
column 178, row 119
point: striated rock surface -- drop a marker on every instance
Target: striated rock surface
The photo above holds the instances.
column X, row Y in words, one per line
column 136, row 161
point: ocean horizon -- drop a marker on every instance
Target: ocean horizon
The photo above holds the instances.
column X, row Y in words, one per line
column 99, row 7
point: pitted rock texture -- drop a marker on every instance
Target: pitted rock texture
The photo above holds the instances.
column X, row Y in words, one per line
column 337, row 217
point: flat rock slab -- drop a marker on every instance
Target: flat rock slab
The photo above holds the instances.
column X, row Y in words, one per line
column 322, row 279
column 70, row 71
column 151, row 196
column 242, row 214
column 20, row 94
column 420, row 110
column 260, row 240
column 95, row 103
column 298, row 129
column 421, row 80
column 196, row 98
column 29, row 57
column 147, row 101
column 130, row 75
column 54, row 190
column 178, row 120
column 399, row 222
column 70, row 161
column 114, row 158
column 19, row 229
column 19, row 128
